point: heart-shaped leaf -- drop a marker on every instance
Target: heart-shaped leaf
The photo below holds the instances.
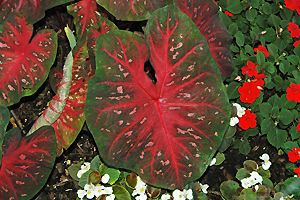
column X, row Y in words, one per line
column 169, row 131
column 65, row 112
column 132, row 10
column 24, row 60
column 33, row 10
column 26, row 163
column 204, row 14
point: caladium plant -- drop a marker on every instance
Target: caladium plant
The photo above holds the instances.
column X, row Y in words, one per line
column 166, row 131
column 24, row 61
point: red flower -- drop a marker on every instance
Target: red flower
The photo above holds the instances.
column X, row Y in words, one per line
column 294, row 155
column 293, row 92
column 296, row 43
column 294, row 30
column 293, row 5
column 262, row 49
column 248, row 120
column 229, row 14
column 249, row 92
column 249, row 69
column 297, row 171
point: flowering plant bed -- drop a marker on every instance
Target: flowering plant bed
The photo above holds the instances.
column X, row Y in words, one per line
column 165, row 99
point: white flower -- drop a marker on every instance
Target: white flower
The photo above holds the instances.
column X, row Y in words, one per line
column 90, row 190
column 240, row 111
column 213, row 162
column 99, row 190
column 108, row 190
column 233, row 121
column 165, row 197
column 204, row 188
column 105, row 178
column 188, row 194
column 266, row 164
column 84, row 168
column 81, row 194
column 140, row 187
column 256, row 177
column 246, row 183
column 256, row 187
column 110, row 197
column 178, row 195
column 141, row 197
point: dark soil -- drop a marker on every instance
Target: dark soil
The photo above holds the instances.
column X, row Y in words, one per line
column 60, row 185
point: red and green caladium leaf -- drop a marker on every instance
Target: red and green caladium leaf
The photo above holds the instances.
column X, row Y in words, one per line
column 204, row 14
column 32, row 10
column 26, row 163
column 25, row 61
column 65, row 112
column 132, row 10
column 166, row 132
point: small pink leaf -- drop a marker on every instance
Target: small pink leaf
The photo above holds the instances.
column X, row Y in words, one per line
column 24, row 61
column 204, row 14
column 26, row 163
column 166, row 132
column 132, row 10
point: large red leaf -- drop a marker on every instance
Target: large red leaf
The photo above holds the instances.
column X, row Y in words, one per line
column 33, row 10
column 132, row 10
column 166, row 132
column 26, row 163
column 204, row 13
column 65, row 112
column 24, row 61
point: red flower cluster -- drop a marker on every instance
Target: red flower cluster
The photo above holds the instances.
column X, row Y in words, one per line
column 263, row 49
column 294, row 155
column 293, row 92
column 293, row 5
column 248, row 120
column 229, row 14
column 294, row 30
column 250, row 91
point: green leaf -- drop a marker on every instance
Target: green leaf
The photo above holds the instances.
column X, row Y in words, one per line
column 290, row 187
column 251, row 14
column 121, row 193
column 286, row 116
column 239, row 38
column 265, row 109
column 73, row 169
column 220, row 158
column 250, row 165
column 260, row 57
column 232, row 90
column 242, row 173
column 244, row 147
column 229, row 189
column 234, row 6
column 114, row 175
column 247, row 194
column 84, row 179
column 275, row 20
column 277, row 138
column 95, row 163
column 267, row 126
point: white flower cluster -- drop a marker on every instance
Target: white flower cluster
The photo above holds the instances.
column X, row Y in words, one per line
column 91, row 191
column 240, row 111
column 140, row 190
column 254, row 179
column 184, row 194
